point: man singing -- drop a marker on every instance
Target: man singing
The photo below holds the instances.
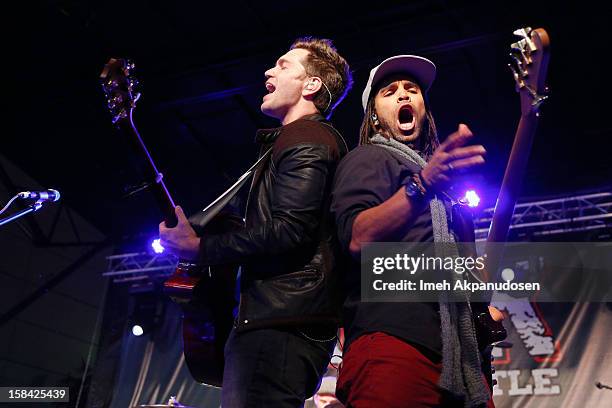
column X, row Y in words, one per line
column 285, row 330
column 392, row 188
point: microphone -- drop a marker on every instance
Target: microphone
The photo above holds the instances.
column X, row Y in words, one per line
column 601, row 386
column 47, row 195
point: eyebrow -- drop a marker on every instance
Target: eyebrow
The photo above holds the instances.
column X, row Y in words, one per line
column 282, row 61
column 411, row 84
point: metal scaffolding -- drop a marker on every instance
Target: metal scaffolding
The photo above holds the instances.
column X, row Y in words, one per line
column 556, row 216
column 139, row 266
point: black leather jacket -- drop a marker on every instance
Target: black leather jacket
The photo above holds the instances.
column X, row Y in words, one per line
column 288, row 248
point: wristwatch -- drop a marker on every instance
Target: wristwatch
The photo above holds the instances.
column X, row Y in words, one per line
column 413, row 190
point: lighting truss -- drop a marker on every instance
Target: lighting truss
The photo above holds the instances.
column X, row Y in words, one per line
column 556, row 216
column 139, row 266
column 546, row 217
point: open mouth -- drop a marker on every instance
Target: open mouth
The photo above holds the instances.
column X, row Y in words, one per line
column 271, row 88
column 405, row 118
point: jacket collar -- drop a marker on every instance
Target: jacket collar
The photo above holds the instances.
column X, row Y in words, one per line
column 265, row 136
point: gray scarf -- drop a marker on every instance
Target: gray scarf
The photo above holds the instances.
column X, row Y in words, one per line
column 461, row 372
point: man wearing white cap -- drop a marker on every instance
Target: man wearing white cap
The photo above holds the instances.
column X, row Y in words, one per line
column 389, row 189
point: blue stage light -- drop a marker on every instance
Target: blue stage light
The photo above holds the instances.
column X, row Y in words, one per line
column 472, row 198
column 157, row 247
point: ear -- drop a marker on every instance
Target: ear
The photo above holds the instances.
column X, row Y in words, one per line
column 375, row 120
column 311, row 87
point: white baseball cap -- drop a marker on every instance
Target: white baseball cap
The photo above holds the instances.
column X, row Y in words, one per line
column 419, row 68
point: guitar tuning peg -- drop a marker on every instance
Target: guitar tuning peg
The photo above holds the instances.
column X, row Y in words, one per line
column 494, row 382
column 525, row 44
column 526, row 56
column 517, row 77
column 521, row 60
column 524, row 32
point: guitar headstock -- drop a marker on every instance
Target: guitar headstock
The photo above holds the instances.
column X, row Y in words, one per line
column 529, row 64
column 118, row 85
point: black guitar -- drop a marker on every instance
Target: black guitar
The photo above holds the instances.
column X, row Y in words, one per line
column 205, row 294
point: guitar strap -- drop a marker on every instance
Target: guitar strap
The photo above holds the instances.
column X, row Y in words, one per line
column 201, row 218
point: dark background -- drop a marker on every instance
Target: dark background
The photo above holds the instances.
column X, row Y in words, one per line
column 201, row 68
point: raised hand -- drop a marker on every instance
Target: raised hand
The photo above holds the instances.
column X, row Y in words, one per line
column 451, row 157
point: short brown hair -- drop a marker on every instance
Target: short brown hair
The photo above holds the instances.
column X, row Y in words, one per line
column 324, row 62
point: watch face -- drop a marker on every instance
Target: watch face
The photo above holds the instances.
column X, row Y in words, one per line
column 412, row 189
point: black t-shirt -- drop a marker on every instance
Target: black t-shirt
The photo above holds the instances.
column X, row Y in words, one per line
column 366, row 177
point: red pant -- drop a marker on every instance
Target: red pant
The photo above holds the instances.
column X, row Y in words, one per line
column 380, row 370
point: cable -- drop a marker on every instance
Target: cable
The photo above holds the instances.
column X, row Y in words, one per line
column 9, row 203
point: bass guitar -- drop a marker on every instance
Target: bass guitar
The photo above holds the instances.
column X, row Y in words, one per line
column 529, row 63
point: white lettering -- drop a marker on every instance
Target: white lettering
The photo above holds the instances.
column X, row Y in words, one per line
column 497, row 375
column 542, row 384
column 444, row 285
column 515, row 389
column 541, row 381
column 377, row 268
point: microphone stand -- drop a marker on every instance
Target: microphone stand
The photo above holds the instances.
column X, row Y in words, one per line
column 31, row 208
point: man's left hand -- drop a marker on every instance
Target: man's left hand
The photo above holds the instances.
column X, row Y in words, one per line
column 180, row 240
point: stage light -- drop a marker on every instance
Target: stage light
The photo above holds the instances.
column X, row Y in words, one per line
column 472, row 198
column 157, row 247
column 137, row 330
column 143, row 309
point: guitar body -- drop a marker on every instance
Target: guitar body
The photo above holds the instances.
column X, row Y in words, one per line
column 488, row 332
column 206, row 295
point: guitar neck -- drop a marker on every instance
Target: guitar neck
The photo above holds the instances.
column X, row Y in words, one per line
column 510, row 188
column 529, row 62
column 153, row 176
column 511, row 184
column 121, row 97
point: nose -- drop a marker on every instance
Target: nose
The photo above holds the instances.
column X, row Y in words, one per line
column 403, row 96
column 268, row 73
